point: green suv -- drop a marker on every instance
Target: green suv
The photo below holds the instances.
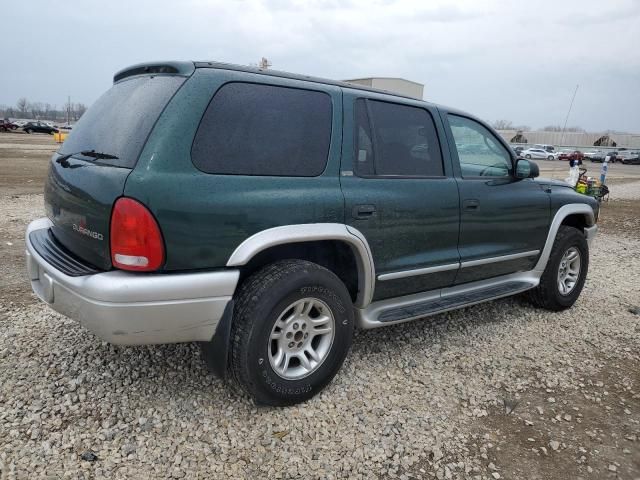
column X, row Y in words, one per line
column 266, row 215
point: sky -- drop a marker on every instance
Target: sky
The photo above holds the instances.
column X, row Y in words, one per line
column 497, row 59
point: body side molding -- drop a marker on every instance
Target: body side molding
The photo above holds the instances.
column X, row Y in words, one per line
column 418, row 271
column 502, row 258
column 369, row 317
column 310, row 232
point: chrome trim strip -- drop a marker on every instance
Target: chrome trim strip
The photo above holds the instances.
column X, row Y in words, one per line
column 309, row 232
column 418, row 271
column 502, row 258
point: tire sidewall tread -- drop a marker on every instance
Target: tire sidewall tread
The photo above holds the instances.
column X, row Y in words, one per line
column 546, row 295
column 261, row 298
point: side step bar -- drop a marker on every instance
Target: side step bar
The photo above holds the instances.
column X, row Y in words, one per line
column 403, row 309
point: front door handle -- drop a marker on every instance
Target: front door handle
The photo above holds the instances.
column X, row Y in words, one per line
column 471, row 204
column 363, row 211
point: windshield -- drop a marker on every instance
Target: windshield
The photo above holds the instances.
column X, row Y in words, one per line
column 119, row 122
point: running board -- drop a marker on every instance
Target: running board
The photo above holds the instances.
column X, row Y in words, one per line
column 403, row 309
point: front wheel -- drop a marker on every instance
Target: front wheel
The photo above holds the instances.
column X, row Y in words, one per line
column 292, row 329
column 527, row 156
column 550, row 157
column 566, row 271
column 27, row 131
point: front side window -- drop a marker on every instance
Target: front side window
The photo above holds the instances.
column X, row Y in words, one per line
column 479, row 151
column 395, row 140
column 255, row 129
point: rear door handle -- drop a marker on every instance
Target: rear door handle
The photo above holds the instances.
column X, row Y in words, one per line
column 363, row 211
column 471, row 204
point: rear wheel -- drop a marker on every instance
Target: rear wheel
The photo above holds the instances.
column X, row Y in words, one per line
column 527, row 156
column 292, row 329
column 566, row 271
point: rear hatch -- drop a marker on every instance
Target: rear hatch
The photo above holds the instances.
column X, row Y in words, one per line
column 89, row 172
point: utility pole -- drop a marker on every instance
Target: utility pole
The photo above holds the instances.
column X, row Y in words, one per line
column 567, row 118
column 68, row 109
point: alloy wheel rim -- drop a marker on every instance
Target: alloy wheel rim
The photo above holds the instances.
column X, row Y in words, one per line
column 301, row 338
column 569, row 271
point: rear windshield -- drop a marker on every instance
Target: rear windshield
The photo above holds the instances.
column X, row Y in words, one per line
column 119, row 122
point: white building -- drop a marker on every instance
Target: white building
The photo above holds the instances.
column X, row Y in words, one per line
column 391, row 84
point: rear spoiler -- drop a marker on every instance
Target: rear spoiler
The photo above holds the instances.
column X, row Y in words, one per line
column 157, row 68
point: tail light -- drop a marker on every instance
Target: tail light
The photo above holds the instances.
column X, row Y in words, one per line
column 136, row 241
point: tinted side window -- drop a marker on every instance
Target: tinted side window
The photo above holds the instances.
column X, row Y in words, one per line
column 479, row 151
column 405, row 142
column 252, row 129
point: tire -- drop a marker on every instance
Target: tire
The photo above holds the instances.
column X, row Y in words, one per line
column 265, row 298
column 547, row 294
column 527, row 156
column 550, row 157
column 27, row 131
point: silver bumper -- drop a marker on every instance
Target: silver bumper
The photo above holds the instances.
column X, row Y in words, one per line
column 134, row 308
column 590, row 233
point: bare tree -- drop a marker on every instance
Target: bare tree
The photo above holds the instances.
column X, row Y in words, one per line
column 558, row 128
column 36, row 109
column 78, row 110
column 22, row 104
column 503, row 125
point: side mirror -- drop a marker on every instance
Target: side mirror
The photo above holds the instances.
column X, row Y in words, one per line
column 526, row 169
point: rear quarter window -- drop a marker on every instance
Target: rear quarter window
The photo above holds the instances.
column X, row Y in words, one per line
column 256, row 129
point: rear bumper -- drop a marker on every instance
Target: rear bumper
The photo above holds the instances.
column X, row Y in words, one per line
column 134, row 308
column 590, row 233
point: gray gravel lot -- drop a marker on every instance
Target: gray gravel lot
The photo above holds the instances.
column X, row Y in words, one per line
column 499, row 390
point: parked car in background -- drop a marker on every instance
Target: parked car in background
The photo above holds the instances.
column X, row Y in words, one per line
column 630, row 158
column 545, row 147
column 595, row 155
column 517, row 149
column 613, row 156
column 574, row 155
column 537, row 153
column 7, row 125
column 39, row 127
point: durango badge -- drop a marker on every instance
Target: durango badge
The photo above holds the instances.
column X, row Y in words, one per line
column 87, row 232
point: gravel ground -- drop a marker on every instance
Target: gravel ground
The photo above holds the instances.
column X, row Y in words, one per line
column 625, row 191
column 499, row 390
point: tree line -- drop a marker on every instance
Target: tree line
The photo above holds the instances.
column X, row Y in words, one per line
column 43, row 111
column 509, row 125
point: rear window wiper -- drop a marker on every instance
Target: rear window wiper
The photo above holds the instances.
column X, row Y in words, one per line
column 85, row 153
